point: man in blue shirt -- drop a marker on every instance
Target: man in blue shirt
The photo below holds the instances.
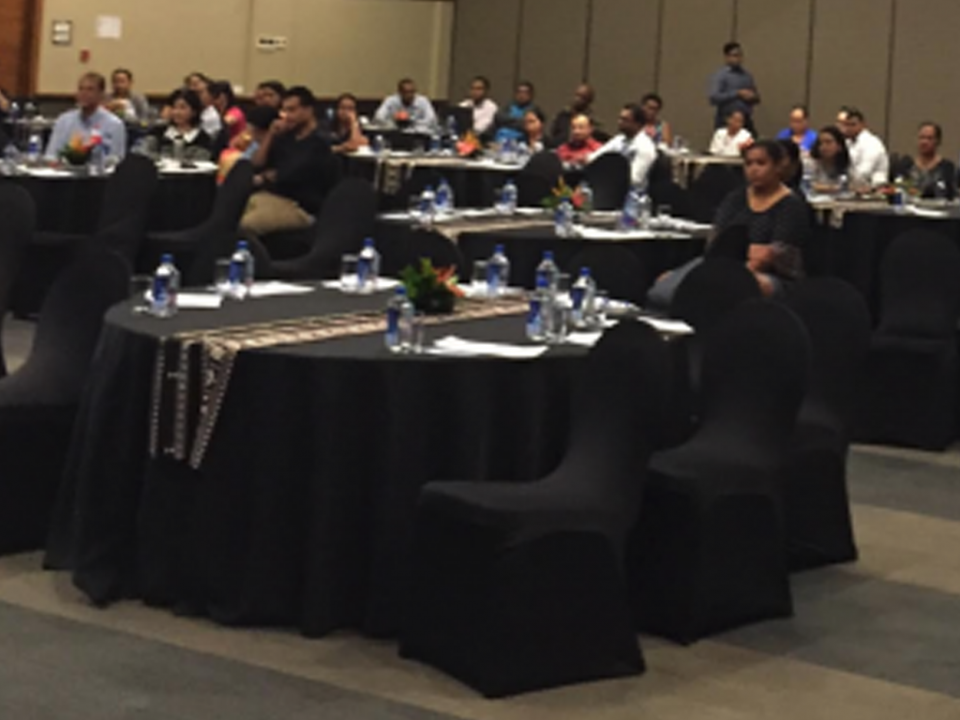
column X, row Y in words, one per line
column 88, row 119
column 407, row 108
column 510, row 121
column 799, row 129
column 733, row 88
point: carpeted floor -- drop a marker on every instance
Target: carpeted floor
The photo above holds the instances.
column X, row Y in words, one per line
column 875, row 640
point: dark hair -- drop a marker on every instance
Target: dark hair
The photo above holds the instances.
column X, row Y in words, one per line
column 304, row 95
column 405, row 81
column 261, row 116
column 122, row 71
column 221, row 88
column 198, row 75
column 790, row 149
column 536, row 112
column 335, row 123
column 97, row 78
column 652, row 96
column 802, row 108
column 638, row 114
column 731, row 47
column 936, row 129
column 733, row 112
column 791, row 154
column 843, row 155
column 526, row 84
column 278, row 87
column 855, row 114
column 191, row 99
column 483, row 79
column 775, row 151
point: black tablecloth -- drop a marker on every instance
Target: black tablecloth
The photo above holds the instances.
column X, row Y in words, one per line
column 302, row 512
column 525, row 248
column 859, row 249
column 72, row 205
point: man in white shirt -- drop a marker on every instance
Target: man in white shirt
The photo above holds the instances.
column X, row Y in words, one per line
column 484, row 109
column 869, row 162
column 633, row 143
column 89, row 119
column 407, row 108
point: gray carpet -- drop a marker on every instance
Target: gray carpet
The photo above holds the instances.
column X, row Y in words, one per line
column 55, row 669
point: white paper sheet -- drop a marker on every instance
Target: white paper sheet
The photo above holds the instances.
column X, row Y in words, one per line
column 109, row 27
column 198, row 301
column 273, row 288
column 452, row 345
column 668, row 327
column 383, row 284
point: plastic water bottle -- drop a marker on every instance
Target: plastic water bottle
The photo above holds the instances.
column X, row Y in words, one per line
column 509, row 198
column 548, row 272
column 540, row 313
column 630, row 217
column 444, row 199
column 242, row 271
column 399, row 335
column 843, row 185
column 166, row 286
column 428, row 206
column 368, row 267
column 10, row 159
column 34, row 150
column 806, row 183
column 586, row 195
column 434, row 142
column 378, row 145
column 563, row 219
column 582, row 296
column 899, row 197
column 645, row 210
column 452, row 128
column 498, row 272
column 178, row 149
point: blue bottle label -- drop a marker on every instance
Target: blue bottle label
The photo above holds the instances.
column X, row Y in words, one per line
column 161, row 290
column 236, row 272
column 576, row 296
column 534, row 317
column 393, row 326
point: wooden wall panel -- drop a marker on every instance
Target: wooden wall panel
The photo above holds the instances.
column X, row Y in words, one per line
column 485, row 43
column 16, row 45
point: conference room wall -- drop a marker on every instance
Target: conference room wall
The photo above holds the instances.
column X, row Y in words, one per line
column 825, row 53
column 333, row 45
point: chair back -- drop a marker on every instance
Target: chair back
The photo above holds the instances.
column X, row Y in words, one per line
column 538, row 178
column 667, row 192
column 920, row 292
column 68, row 331
column 754, row 377
column 347, row 217
column 838, row 323
column 217, row 237
column 711, row 187
column 129, row 191
column 616, row 270
column 732, row 243
column 17, row 224
column 609, row 178
column 711, row 291
column 408, row 250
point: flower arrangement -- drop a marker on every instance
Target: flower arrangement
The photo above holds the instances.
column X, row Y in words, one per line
column 401, row 118
column 431, row 290
column 563, row 192
column 908, row 186
column 469, row 146
column 77, row 150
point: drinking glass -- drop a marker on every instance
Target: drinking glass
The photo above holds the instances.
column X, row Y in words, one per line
column 559, row 323
column 418, row 332
column 349, row 279
column 140, row 285
column 601, row 302
column 478, row 282
column 563, row 289
column 413, row 208
column 221, row 276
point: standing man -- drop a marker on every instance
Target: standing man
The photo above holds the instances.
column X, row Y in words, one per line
column 869, row 162
column 407, row 107
column 733, row 88
column 582, row 104
column 484, row 109
column 123, row 101
column 89, row 118
column 633, row 143
column 295, row 170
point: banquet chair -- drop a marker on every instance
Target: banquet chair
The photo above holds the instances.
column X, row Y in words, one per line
column 614, row 269
column 197, row 249
column 38, row 403
column 519, row 586
column 711, row 188
column 407, row 251
column 347, row 217
column 818, row 525
column 17, row 222
column 733, row 243
column 538, row 178
column 909, row 395
column 609, row 178
column 711, row 291
column 708, row 551
column 666, row 192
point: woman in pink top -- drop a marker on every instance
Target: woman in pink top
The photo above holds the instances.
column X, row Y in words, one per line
column 234, row 121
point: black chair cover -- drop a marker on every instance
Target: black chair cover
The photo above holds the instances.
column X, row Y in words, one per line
column 711, row 291
column 733, row 244
column 909, row 397
column 609, row 178
column 408, row 249
column 667, row 192
column 17, row 222
column 616, row 270
column 709, row 548
column 819, row 529
column 711, row 188
column 518, row 587
column 38, row 403
column 538, row 178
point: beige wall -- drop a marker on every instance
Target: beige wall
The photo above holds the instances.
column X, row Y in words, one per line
column 363, row 46
column 891, row 58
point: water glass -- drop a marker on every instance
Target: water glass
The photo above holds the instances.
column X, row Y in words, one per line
column 349, row 279
column 478, row 281
column 601, row 303
column 559, row 322
column 140, row 286
column 563, row 289
column 418, row 331
column 221, row 277
column 413, row 208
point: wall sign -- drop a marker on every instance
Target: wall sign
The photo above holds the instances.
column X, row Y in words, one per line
column 61, row 32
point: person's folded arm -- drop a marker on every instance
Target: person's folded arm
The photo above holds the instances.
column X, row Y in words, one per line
column 719, row 94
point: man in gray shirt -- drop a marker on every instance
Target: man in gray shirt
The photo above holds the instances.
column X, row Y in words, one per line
column 733, row 88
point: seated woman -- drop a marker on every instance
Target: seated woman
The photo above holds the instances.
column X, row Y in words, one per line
column 931, row 174
column 185, row 109
column 831, row 160
column 533, row 130
column 657, row 128
column 223, row 99
column 344, row 132
column 776, row 220
column 732, row 140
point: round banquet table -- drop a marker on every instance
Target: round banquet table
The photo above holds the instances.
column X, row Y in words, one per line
column 301, row 513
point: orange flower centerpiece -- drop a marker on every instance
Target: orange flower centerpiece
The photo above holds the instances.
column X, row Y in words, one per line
column 469, row 146
column 564, row 192
column 401, row 118
column 433, row 291
column 77, row 151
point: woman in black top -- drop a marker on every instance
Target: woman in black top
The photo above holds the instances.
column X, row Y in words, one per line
column 185, row 108
column 932, row 175
column 344, row 132
column 831, row 159
column 776, row 220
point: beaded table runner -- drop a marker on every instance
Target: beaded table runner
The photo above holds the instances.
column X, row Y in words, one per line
column 192, row 370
